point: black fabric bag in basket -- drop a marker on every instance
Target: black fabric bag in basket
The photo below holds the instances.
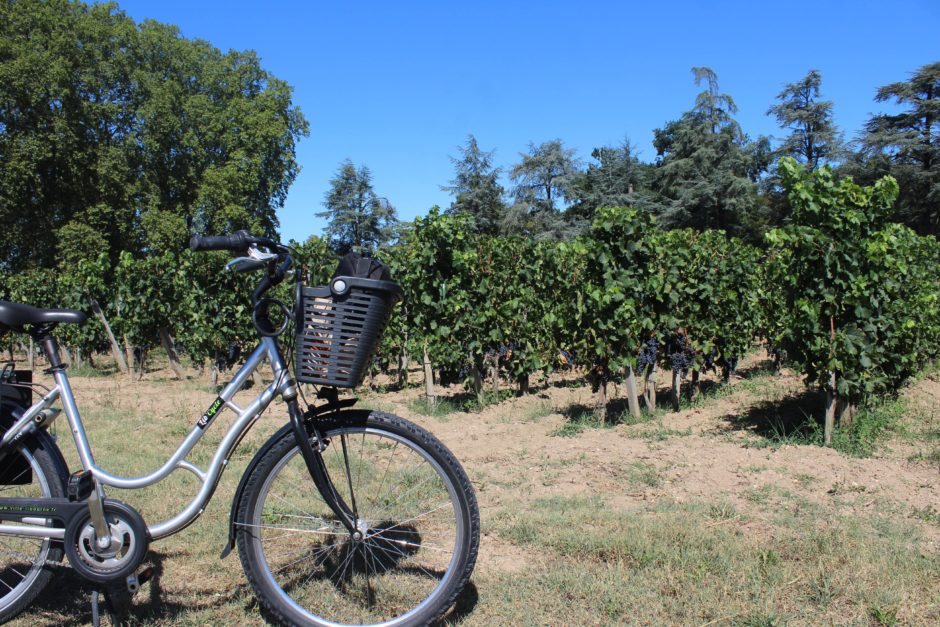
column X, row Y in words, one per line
column 339, row 325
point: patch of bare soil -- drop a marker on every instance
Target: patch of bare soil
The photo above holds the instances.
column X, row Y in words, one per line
column 711, row 452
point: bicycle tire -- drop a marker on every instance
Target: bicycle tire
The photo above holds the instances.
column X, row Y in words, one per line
column 418, row 547
column 24, row 562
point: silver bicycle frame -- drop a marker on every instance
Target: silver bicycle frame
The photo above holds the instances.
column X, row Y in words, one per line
column 246, row 417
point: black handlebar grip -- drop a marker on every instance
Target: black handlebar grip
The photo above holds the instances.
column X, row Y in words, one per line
column 238, row 241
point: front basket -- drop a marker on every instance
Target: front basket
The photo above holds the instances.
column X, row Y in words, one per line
column 338, row 330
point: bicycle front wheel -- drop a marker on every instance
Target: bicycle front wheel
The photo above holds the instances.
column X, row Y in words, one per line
column 417, row 522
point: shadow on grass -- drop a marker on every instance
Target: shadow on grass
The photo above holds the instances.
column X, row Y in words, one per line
column 68, row 598
column 762, row 368
column 787, row 421
column 466, row 602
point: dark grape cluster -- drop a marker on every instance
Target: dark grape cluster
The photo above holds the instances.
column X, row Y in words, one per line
column 732, row 364
column 647, row 356
column 681, row 354
column 501, row 354
column 506, row 351
column 565, row 359
column 599, row 375
column 710, row 360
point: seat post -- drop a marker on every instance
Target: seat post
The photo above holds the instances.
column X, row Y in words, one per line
column 50, row 346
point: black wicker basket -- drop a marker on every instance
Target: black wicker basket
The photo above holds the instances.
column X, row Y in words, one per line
column 338, row 328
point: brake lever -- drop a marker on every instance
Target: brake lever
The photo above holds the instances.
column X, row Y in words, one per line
column 244, row 264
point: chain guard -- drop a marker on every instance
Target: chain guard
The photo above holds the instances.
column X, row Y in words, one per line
column 129, row 544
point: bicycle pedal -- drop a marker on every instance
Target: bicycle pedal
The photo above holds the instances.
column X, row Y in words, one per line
column 81, row 483
column 145, row 575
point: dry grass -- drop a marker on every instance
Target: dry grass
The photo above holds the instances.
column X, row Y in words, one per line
column 576, row 531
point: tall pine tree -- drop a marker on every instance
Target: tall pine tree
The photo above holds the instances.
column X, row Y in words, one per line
column 707, row 168
column 906, row 145
column 358, row 219
column 814, row 138
column 618, row 179
column 476, row 187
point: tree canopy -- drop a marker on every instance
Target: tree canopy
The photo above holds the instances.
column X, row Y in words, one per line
column 814, row 138
column 476, row 187
column 707, row 168
column 117, row 137
column 357, row 217
column 906, row 145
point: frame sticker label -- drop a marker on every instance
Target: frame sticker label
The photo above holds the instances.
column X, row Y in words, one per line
column 210, row 413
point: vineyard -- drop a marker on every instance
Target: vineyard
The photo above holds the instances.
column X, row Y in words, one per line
column 844, row 297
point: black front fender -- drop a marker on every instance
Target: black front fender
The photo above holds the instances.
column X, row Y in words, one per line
column 323, row 423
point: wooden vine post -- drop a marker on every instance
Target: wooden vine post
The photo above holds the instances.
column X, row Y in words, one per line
column 632, row 400
column 676, row 388
column 428, row 378
column 831, row 395
column 115, row 348
column 167, row 340
column 650, row 388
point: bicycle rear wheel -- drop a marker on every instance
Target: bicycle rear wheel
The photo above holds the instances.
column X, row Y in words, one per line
column 415, row 510
column 33, row 469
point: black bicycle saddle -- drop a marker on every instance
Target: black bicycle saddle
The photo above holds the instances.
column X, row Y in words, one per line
column 16, row 315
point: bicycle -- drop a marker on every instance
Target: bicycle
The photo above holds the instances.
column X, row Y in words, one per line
column 344, row 516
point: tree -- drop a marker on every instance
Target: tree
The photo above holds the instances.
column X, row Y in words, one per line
column 357, row 217
column 543, row 179
column 618, row 179
column 813, row 138
column 544, row 175
column 906, row 145
column 109, row 128
column 476, row 187
column 707, row 168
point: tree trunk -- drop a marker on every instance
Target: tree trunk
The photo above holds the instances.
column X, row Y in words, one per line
column 167, row 340
column 650, row 387
column 523, row 382
column 213, row 379
column 494, row 377
column 602, row 398
column 130, row 357
column 428, row 379
column 68, row 355
column 830, row 421
column 141, row 364
column 478, row 386
column 696, row 388
column 676, row 389
column 115, row 349
column 847, row 414
column 32, row 354
column 402, row 368
column 632, row 400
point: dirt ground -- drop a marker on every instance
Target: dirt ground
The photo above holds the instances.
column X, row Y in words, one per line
column 714, row 451
column 704, row 453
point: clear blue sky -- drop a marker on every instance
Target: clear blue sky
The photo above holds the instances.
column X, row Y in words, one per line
column 398, row 85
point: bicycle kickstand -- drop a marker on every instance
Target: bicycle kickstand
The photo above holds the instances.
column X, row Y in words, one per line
column 117, row 595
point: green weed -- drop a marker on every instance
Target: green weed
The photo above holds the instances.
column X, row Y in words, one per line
column 440, row 409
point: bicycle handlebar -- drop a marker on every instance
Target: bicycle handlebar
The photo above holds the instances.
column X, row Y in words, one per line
column 239, row 241
column 236, row 242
